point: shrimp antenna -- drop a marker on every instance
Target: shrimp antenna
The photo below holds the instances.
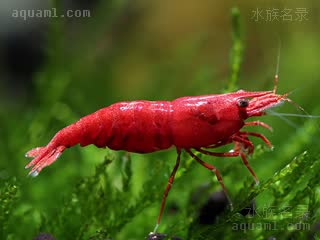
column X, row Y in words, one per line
column 276, row 76
column 307, row 115
column 289, row 122
column 295, row 115
column 296, row 105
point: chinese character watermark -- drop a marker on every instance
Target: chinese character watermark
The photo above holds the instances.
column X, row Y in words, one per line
column 268, row 218
column 277, row 15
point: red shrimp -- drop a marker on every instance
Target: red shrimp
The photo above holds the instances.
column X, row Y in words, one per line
column 192, row 124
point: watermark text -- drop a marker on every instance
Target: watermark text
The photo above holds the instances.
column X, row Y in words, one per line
column 271, row 218
column 277, row 14
column 26, row 14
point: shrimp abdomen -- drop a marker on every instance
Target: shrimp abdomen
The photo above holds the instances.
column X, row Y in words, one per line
column 138, row 126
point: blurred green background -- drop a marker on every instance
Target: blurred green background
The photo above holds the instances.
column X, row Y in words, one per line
column 56, row 70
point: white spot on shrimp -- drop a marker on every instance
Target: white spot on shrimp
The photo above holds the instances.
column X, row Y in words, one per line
column 34, row 173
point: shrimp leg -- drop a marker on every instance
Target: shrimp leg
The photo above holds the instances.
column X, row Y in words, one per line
column 165, row 194
column 215, row 170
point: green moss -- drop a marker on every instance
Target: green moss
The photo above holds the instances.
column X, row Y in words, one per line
column 8, row 201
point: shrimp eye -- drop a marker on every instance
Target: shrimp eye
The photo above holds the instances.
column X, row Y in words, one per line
column 243, row 103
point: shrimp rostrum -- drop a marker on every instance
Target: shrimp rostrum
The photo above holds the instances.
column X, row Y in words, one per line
column 193, row 124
